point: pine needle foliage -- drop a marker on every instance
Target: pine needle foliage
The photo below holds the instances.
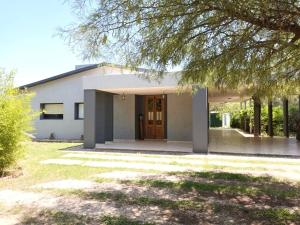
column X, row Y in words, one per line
column 228, row 44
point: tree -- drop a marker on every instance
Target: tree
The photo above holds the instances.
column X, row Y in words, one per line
column 254, row 44
column 15, row 120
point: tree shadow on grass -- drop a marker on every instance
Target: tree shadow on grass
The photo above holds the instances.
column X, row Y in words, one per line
column 142, row 207
column 66, row 218
column 55, row 217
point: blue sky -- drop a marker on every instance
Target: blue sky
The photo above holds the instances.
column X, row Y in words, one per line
column 27, row 41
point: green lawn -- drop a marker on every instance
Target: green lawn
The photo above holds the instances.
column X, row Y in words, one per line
column 218, row 190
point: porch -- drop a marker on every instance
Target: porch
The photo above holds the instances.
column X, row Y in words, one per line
column 221, row 141
column 127, row 107
column 114, row 103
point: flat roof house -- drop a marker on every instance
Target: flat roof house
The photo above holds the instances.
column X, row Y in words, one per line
column 104, row 102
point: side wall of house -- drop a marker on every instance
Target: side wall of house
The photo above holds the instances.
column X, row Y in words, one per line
column 179, row 112
column 67, row 91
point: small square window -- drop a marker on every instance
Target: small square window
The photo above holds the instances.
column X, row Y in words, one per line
column 52, row 111
column 79, row 111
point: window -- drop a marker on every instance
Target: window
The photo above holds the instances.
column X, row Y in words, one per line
column 79, row 111
column 52, row 111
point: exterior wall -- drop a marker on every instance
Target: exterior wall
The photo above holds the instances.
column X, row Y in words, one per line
column 124, row 117
column 200, row 121
column 67, row 91
column 70, row 90
column 179, row 121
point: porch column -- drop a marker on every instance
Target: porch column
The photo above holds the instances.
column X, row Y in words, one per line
column 270, row 118
column 257, row 115
column 200, row 121
column 98, row 117
column 285, row 105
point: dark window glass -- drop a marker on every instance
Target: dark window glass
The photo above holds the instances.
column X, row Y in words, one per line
column 52, row 111
column 79, row 111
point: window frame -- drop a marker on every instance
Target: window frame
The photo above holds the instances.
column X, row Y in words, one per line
column 76, row 111
column 57, row 117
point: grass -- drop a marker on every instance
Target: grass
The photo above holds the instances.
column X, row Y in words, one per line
column 34, row 172
column 223, row 183
column 278, row 216
column 125, row 199
column 230, row 176
column 57, row 217
column 219, row 189
column 66, row 218
column 204, row 163
column 110, row 220
column 274, row 215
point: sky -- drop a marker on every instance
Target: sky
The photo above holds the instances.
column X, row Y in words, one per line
column 27, row 39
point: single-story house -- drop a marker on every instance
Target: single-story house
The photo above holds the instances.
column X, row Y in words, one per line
column 104, row 102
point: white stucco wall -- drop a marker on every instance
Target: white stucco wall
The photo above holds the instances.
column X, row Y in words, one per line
column 179, row 111
column 70, row 90
column 67, row 91
column 124, row 117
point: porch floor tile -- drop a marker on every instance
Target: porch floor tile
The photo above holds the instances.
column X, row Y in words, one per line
column 221, row 141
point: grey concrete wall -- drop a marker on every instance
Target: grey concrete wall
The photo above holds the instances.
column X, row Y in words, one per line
column 90, row 121
column 98, row 125
column 103, row 117
column 200, row 121
column 109, row 117
column 124, row 117
column 139, row 110
column 179, row 112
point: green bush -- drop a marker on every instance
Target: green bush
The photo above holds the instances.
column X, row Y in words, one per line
column 15, row 121
column 277, row 120
column 235, row 121
column 238, row 118
column 244, row 118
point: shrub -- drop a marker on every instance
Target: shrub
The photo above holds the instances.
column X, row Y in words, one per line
column 277, row 120
column 244, row 119
column 15, row 120
column 235, row 119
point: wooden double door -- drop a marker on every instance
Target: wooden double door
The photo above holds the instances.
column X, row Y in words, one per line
column 154, row 117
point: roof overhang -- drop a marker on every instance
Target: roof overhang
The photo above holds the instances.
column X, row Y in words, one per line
column 132, row 83
column 141, row 84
